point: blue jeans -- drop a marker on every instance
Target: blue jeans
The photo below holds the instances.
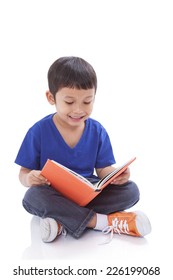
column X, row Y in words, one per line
column 44, row 201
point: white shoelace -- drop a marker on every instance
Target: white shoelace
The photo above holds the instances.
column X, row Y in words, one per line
column 116, row 227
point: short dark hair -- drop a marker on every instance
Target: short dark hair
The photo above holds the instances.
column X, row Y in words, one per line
column 71, row 72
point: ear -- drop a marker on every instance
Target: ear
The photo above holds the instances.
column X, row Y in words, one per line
column 50, row 97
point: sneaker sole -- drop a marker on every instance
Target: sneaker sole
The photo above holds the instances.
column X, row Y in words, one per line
column 142, row 223
column 49, row 229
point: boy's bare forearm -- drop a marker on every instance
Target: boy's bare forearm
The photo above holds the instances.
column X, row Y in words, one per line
column 23, row 174
column 101, row 172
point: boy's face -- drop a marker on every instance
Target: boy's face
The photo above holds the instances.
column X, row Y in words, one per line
column 73, row 105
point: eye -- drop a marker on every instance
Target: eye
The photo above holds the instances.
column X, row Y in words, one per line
column 87, row 103
column 69, row 103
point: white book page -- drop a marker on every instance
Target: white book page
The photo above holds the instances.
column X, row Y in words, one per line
column 75, row 174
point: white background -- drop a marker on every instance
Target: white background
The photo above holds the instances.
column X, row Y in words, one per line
column 129, row 44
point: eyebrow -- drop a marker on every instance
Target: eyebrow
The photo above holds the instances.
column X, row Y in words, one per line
column 71, row 97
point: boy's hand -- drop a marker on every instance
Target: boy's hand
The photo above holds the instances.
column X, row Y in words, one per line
column 30, row 178
column 33, row 178
column 122, row 178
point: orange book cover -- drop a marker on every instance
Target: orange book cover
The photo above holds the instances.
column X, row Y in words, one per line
column 74, row 186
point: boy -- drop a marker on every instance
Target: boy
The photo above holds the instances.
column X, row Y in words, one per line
column 73, row 139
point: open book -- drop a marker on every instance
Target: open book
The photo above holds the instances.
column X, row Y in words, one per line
column 74, row 186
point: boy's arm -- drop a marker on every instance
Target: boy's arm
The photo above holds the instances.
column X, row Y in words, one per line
column 30, row 178
column 120, row 180
column 102, row 172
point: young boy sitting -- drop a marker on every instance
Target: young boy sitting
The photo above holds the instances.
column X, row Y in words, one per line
column 72, row 138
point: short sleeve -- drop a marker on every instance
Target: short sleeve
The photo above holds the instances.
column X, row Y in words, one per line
column 29, row 152
column 105, row 156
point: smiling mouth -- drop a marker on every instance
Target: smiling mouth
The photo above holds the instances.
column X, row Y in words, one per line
column 76, row 118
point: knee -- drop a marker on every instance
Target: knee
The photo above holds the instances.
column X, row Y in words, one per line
column 32, row 194
column 36, row 198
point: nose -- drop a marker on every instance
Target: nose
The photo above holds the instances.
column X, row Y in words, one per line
column 77, row 108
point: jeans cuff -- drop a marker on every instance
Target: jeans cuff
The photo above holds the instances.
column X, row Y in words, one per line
column 84, row 224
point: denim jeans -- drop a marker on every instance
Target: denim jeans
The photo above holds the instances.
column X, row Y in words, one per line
column 44, row 201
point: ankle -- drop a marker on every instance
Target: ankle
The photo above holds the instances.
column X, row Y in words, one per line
column 92, row 222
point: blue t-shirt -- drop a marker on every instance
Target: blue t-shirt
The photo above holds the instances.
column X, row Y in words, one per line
column 43, row 141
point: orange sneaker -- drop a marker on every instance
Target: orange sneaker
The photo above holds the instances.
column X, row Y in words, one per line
column 131, row 223
column 50, row 229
